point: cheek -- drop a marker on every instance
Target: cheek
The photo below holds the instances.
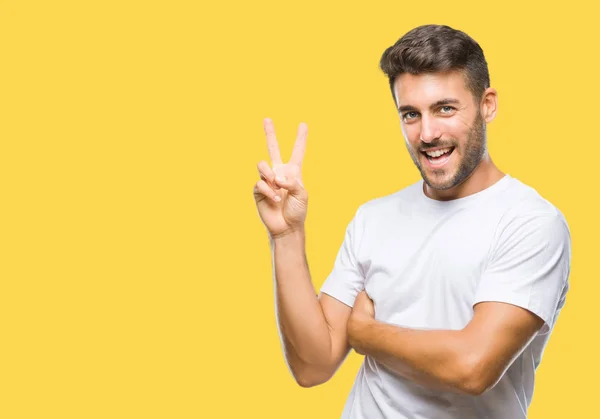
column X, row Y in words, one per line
column 462, row 123
column 411, row 134
column 455, row 129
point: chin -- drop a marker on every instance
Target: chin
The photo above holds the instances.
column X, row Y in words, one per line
column 440, row 185
column 440, row 182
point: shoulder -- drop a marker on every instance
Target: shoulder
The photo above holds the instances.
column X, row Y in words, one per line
column 528, row 214
column 524, row 204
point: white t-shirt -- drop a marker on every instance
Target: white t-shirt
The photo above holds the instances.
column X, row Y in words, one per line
column 426, row 263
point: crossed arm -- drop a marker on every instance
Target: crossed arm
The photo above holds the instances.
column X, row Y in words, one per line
column 470, row 360
column 317, row 334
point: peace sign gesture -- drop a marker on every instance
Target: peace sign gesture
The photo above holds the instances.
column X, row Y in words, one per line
column 280, row 196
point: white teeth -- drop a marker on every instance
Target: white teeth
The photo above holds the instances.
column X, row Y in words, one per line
column 437, row 153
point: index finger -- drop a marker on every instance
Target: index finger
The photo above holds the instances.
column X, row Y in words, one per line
column 272, row 142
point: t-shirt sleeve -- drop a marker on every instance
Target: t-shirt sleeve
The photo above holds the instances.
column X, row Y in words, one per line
column 346, row 280
column 529, row 267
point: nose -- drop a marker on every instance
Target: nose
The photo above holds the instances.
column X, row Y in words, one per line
column 429, row 129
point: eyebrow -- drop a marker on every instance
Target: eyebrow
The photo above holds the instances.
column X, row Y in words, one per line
column 442, row 102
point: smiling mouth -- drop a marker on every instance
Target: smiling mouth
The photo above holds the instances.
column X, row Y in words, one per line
column 438, row 157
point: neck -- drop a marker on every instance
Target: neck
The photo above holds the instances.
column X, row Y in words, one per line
column 484, row 176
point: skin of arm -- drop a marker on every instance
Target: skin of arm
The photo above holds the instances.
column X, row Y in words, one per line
column 313, row 329
column 467, row 361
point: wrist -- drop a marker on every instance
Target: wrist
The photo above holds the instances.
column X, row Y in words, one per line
column 290, row 235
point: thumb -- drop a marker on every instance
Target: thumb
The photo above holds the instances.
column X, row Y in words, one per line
column 293, row 185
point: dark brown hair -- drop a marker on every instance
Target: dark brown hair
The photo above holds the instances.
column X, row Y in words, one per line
column 437, row 48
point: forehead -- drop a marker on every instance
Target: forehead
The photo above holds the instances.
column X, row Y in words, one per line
column 421, row 90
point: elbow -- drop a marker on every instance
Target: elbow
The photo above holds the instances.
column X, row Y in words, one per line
column 476, row 377
column 308, row 377
column 306, row 382
column 474, row 387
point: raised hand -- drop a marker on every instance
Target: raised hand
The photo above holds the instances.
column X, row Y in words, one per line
column 280, row 196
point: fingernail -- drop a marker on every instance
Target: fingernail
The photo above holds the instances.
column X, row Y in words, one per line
column 280, row 179
column 277, row 198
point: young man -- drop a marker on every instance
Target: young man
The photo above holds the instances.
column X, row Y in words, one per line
column 449, row 287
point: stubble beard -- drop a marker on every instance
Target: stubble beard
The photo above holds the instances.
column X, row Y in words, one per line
column 474, row 151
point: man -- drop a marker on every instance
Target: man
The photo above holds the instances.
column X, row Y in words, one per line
column 449, row 287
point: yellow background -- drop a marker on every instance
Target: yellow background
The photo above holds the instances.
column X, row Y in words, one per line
column 135, row 275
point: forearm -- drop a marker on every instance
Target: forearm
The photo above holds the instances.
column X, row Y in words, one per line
column 304, row 330
column 435, row 358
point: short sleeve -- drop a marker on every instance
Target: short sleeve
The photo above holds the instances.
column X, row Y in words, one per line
column 346, row 280
column 529, row 266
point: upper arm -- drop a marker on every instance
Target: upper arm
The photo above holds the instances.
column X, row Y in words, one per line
column 530, row 266
column 339, row 291
column 336, row 315
column 520, row 292
column 497, row 335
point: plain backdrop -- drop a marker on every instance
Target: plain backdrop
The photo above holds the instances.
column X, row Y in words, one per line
column 135, row 275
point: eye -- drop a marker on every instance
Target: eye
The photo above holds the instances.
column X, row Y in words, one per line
column 446, row 109
column 410, row 115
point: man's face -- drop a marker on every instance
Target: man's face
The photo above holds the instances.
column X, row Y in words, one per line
column 442, row 125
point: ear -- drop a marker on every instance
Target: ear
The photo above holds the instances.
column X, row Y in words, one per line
column 489, row 104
